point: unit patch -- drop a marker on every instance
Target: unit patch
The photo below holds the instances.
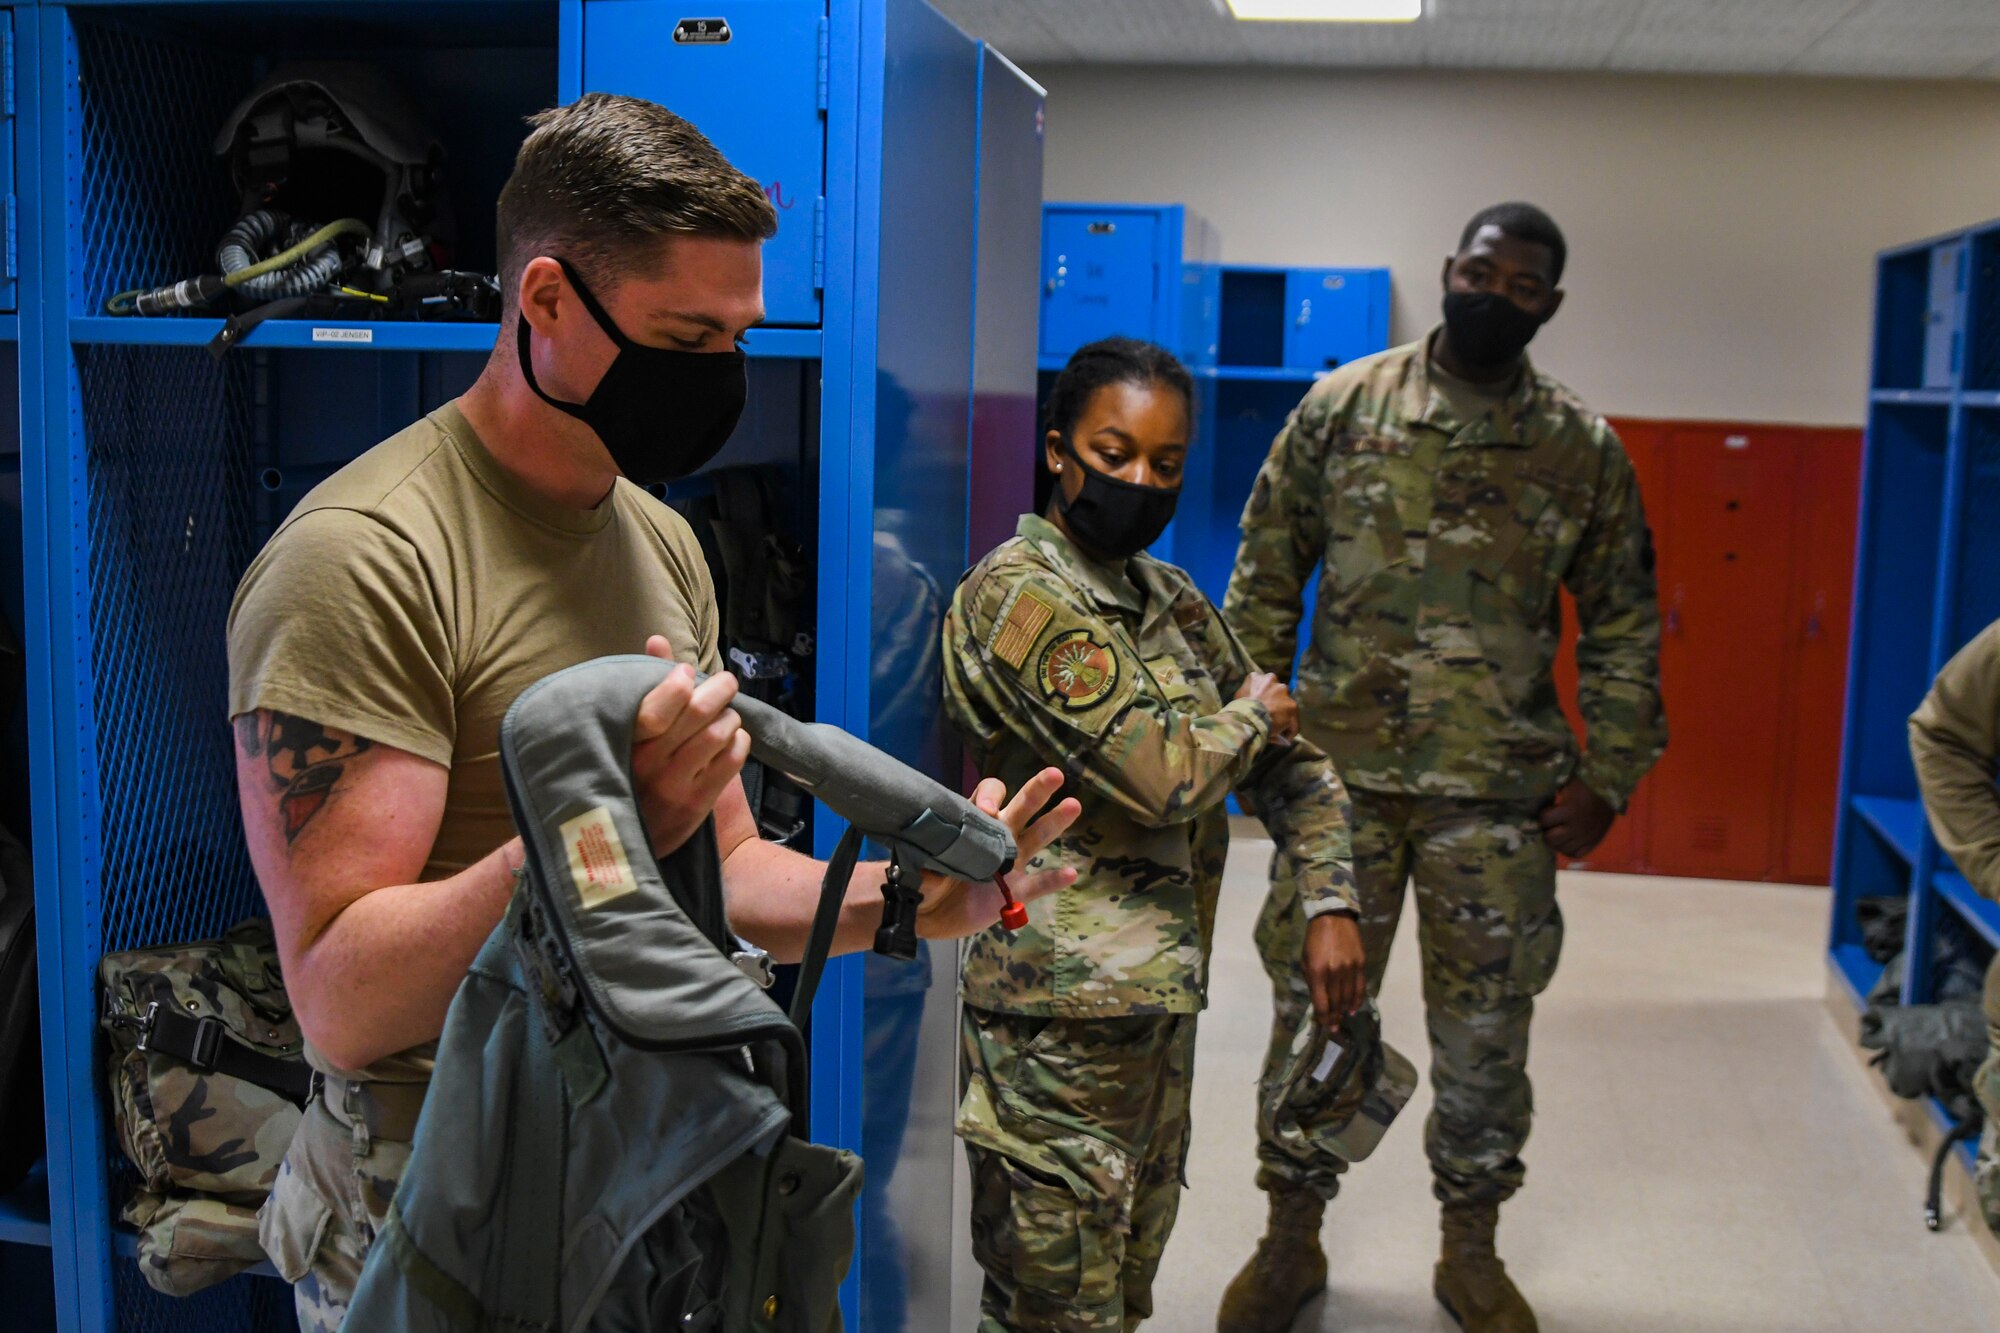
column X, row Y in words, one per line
column 1023, row 625
column 1077, row 671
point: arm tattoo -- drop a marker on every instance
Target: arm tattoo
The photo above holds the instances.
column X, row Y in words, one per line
column 305, row 762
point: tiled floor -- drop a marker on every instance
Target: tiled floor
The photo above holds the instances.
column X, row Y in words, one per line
column 1708, row 1154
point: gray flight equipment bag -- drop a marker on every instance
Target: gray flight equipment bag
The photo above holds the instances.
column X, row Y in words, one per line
column 613, row 1136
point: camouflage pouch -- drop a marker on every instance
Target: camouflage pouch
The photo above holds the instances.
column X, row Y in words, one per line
column 1339, row 1091
column 207, row 1081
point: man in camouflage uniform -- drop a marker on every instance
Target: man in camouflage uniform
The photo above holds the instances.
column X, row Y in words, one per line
column 1955, row 742
column 1446, row 490
column 1079, row 1029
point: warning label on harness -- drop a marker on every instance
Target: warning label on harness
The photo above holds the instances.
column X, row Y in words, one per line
column 597, row 860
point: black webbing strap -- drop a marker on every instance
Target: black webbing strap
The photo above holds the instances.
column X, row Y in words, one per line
column 832, row 893
column 1965, row 1129
column 205, row 1044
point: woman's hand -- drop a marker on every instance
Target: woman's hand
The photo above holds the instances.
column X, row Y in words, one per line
column 1277, row 699
column 953, row 908
column 1335, row 966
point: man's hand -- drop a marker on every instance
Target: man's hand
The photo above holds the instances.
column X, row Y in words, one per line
column 688, row 744
column 1277, row 699
column 1577, row 820
column 952, row 908
column 1335, row 966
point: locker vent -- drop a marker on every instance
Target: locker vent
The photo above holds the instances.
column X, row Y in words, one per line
column 263, row 1304
column 1978, row 593
column 151, row 196
column 1984, row 372
column 1709, row 834
column 169, row 515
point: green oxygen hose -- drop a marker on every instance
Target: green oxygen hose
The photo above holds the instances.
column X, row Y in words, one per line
column 199, row 291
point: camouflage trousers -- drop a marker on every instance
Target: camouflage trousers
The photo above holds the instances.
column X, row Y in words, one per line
column 1489, row 932
column 1077, row 1131
column 331, row 1197
column 1986, row 1175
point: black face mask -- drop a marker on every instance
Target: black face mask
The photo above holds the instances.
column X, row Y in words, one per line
column 1113, row 518
column 661, row 413
column 1487, row 329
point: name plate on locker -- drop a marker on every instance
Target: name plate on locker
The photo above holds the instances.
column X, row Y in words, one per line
column 702, row 32
column 343, row 335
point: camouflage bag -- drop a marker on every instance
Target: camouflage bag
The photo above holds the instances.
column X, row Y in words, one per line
column 1339, row 1092
column 207, row 1081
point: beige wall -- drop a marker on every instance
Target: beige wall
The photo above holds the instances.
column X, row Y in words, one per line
column 1721, row 230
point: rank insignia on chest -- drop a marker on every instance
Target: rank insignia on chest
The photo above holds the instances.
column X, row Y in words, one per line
column 1076, row 671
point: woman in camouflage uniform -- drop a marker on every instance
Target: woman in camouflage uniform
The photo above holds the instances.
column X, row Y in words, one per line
column 1068, row 646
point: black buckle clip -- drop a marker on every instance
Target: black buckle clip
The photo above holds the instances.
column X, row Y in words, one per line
column 205, row 1043
column 901, row 901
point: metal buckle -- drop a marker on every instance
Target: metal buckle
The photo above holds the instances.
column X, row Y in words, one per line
column 207, row 1043
column 144, row 1023
column 760, row 666
column 755, row 964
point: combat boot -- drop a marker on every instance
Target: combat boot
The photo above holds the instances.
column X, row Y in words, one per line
column 1471, row 1283
column 1288, row 1269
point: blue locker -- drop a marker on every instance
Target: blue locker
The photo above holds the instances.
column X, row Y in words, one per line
column 1100, row 277
column 755, row 83
column 1136, row 270
column 1335, row 315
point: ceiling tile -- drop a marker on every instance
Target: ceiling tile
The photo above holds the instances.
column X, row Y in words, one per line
column 1705, row 52
column 1921, row 13
column 1340, row 44
column 1013, row 28
column 1564, row 11
column 1888, row 38
column 1475, row 44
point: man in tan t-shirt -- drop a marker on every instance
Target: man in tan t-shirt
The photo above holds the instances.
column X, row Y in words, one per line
column 1955, row 746
column 378, row 640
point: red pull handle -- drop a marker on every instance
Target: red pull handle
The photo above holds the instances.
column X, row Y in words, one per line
column 1013, row 915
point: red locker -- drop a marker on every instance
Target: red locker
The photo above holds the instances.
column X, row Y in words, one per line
column 1829, row 500
column 1624, row 848
column 1728, row 509
column 1754, row 652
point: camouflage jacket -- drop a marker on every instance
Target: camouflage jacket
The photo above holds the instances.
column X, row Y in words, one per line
column 1123, row 678
column 1441, row 545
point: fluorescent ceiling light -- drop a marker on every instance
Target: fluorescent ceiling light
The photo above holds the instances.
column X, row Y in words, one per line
column 1329, row 11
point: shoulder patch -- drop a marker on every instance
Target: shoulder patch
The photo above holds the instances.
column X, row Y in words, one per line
column 1024, row 624
column 1075, row 671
